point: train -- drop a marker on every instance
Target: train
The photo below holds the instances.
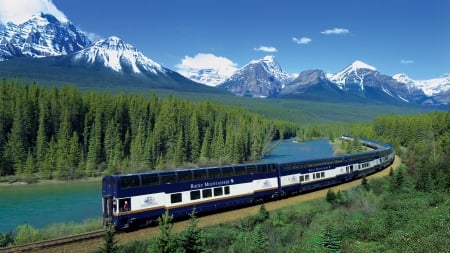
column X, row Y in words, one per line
column 134, row 200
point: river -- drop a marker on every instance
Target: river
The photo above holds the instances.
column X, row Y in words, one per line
column 43, row 204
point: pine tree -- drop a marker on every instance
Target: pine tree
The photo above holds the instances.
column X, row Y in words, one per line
column 192, row 239
column 330, row 241
column 331, row 197
column 194, row 138
column 166, row 241
column 110, row 244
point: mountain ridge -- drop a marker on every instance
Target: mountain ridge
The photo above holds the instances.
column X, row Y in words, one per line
column 45, row 36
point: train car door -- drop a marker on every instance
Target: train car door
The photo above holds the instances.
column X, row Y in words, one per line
column 107, row 199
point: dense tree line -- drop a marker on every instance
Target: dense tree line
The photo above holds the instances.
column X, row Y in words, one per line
column 64, row 134
column 424, row 143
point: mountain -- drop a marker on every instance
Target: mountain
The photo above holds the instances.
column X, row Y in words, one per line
column 259, row 78
column 438, row 88
column 352, row 76
column 312, row 85
column 117, row 55
column 41, row 36
column 209, row 77
column 362, row 80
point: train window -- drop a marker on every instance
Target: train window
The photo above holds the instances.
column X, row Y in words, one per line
column 318, row 175
column 183, row 176
column 200, row 174
column 227, row 171
column 168, row 177
column 251, row 169
column 302, row 178
column 125, row 205
column 206, row 193
column 240, row 170
column 195, row 195
column 129, row 181
column 322, row 174
column 227, row 190
column 306, row 177
column 272, row 167
column 262, row 168
column 218, row 191
column 175, row 198
column 149, row 179
column 214, row 173
column 288, row 167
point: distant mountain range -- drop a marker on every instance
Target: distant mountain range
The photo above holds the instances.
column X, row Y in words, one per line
column 49, row 50
column 357, row 82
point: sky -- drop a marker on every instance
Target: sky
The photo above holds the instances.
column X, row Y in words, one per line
column 394, row 36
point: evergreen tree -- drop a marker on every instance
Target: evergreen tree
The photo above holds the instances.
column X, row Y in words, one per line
column 330, row 240
column 205, row 153
column 194, row 138
column 137, row 149
column 110, row 244
column 16, row 146
column 192, row 239
column 29, row 167
column 166, row 241
column 331, row 197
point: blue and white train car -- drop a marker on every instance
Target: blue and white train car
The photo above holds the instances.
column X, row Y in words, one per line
column 141, row 198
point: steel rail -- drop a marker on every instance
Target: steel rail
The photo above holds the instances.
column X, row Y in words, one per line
column 40, row 245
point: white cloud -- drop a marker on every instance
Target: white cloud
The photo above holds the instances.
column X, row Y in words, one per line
column 302, row 40
column 19, row 11
column 406, row 61
column 93, row 36
column 338, row 31
column 223, row 65
column 266, row 49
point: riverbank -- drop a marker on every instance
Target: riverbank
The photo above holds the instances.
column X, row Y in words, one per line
column 7, row 182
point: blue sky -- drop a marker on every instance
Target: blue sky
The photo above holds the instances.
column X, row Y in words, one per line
column 395, row 36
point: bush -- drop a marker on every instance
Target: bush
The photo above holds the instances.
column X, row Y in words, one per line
column 27, row 234
column 6, row 239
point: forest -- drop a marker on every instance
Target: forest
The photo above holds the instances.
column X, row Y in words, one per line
column 51, row 133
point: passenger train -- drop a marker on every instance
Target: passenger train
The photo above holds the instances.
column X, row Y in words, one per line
column 138, row 199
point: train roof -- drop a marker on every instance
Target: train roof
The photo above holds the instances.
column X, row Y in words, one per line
column 376, row 145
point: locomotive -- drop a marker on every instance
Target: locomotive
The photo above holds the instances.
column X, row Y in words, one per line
column 133, row 200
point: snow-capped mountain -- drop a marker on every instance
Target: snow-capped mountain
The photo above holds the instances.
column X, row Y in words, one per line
column 351, row 75
column 430, row 87
column 312, row 84
column 41, row 36
column 439, row 88
column 117, row 55
column 364, row 80
column 209, row 77
column 259, row 78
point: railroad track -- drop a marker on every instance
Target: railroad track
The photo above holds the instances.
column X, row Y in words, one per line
column 42, row 245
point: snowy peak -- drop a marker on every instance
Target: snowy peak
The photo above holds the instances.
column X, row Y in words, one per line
column 352, row 74
column 117, row 55
column 210, row 77
column 430, row 87
column 270, row 65
column 259, row 78
column 360, row 65
column 41, row 36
